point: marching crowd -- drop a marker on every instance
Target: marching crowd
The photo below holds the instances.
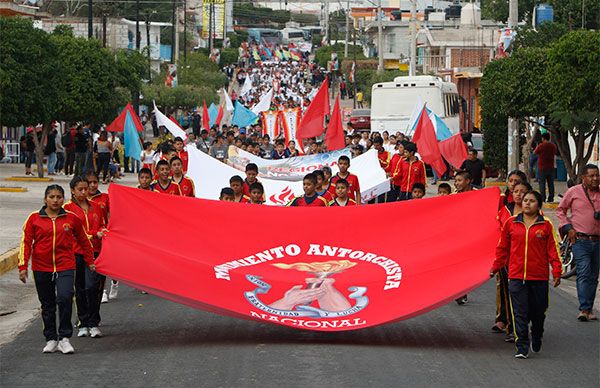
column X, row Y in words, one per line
column 62, row 239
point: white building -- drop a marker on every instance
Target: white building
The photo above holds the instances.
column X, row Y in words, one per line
column 119, row 34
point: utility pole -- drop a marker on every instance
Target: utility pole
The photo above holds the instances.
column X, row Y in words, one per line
column 347, row 30
column 173, row 34
column 327, row 22
column 210, row 29
column 513, row 124
column 412, row 66
column 177, row 49
column 354, row 69
column 90, row 20
column 184, row 30
column 104, row 15
column 148, row 45
column 138, row 36
column 379, row 38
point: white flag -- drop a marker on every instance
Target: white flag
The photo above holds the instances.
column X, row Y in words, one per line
column 247, row 87
column 228, row 103
column 162, row 120
column 264, row 104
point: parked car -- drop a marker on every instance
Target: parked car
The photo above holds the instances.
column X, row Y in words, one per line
column 360, row 119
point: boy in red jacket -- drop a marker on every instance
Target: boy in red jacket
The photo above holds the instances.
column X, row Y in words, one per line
column 182, row 154
column 412, row 170
column 164, row 184
column 186, row 185
column 353, row 184
column 310, row 197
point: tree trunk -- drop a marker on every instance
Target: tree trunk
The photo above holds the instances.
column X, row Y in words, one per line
column 39, row 148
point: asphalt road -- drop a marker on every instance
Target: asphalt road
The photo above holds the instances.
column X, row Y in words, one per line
column 151, row 342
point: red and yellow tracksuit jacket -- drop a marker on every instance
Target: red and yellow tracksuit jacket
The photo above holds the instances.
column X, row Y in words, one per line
column 51, row 243
column 408, row 173
column 92, row 221
column 529, row 251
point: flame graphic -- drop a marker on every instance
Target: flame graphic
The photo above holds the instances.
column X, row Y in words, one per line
column 332, row 266
column 283, row 197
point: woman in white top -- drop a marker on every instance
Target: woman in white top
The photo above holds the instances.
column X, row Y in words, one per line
column 148, row 157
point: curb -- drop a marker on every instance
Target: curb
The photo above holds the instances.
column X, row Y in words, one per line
column 9, row 260
column 28, row 179
column 11, row 189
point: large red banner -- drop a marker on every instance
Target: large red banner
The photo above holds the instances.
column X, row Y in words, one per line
column 329, row 269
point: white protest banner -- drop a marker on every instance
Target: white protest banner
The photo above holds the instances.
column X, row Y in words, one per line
column 210, row 176
column 290, row 119
column 270, row 124
column 290, row 169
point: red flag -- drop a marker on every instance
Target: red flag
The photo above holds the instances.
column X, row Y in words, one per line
column 173, row 119
column 366, row 284
column 219, row 115
column 205, row 117
column 335, row 132
column 427, row 144
column 311, row 124
column 454, row 150
column 118, row 124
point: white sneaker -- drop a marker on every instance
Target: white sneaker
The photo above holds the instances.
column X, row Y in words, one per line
column 114, row 290
column 50, row 346
column 65, row 346
column 83, row 332
column 95, row 332
column 104, row 297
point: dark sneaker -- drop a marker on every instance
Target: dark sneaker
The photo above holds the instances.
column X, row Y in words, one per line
column 536, row 345
column 509, row 338
column 522, row 355
column 462, row 300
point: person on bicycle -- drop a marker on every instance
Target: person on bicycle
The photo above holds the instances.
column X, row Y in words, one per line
column 528, row 244
column 582, row 228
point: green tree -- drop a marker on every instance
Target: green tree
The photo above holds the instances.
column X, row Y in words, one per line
column 323, row 54
column 570, row 13
column 46, row 77
column 182, row 96
column 27, row 79
column 573, row 77
column 498, row 10
column 494, row 101
column 543, row 36
column 556, row 88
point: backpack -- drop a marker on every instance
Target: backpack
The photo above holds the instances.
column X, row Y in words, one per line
column 66, row 139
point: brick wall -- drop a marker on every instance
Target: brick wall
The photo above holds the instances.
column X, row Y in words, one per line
column 469, row 57
column 116, row 31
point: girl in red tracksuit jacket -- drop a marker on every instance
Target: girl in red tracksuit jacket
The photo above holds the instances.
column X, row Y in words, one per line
column 504, row 322
column 88, row 285
column 528, row 243
column 50, row 237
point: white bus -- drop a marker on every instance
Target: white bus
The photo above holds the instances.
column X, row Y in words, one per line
column 292, row 35
column 392, row 103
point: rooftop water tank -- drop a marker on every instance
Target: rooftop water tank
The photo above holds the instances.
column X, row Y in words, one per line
column 544, row 13
column 470, row 15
